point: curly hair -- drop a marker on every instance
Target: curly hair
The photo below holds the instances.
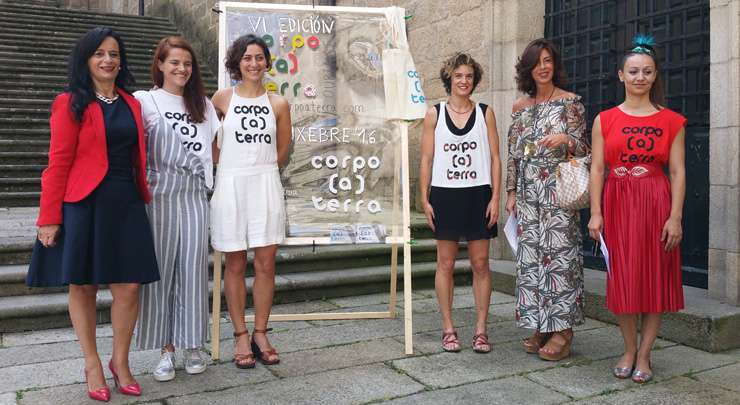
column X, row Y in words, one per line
column 236, row 51
column 455, row 62
column 531, row 58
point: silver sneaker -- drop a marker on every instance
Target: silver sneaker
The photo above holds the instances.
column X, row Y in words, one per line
column 194, row 364
column 165, row 370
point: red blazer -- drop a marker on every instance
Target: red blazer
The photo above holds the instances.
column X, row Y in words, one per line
column 78, row 156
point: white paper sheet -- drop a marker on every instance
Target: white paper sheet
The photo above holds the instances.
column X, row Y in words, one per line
column 606, row 254
column 510, row 230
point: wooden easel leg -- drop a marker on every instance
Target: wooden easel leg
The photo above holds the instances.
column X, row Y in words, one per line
column 216, row 326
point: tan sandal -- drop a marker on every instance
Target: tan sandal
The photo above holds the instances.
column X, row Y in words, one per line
column 264, row 355
column 558, row 349
column 452, row 341
column 242, row 360
column 537, row 340
column 480, row 341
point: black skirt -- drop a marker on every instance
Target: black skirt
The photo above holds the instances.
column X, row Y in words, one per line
column 460, row 213
column 105, row 239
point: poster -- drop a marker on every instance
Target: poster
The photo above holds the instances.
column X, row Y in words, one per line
column 342, row 178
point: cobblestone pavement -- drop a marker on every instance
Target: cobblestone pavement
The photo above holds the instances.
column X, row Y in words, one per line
column 363, row 361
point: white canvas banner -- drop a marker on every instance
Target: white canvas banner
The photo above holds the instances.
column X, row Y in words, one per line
column 342, row 177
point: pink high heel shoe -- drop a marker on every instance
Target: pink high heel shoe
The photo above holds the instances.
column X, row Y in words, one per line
column 100, row 395
column 132, row 389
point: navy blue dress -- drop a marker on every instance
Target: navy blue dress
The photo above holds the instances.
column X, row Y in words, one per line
column 105, row 238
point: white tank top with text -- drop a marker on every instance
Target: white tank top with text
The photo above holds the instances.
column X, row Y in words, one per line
column 249, row 134
column 461, row 159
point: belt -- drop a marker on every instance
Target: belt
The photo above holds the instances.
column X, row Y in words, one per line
column 638, row 171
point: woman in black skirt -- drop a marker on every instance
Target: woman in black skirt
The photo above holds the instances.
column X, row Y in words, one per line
column 93, row 226
column 460, row 160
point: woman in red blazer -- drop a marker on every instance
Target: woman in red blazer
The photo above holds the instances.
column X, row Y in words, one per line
column 93, row 227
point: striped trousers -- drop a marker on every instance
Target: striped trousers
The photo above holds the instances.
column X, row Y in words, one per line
column 175, row 309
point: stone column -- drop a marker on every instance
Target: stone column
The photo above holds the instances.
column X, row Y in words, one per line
column 515, row 24
column 724, row 144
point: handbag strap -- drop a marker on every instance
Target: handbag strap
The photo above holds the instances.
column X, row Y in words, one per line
column 585, row 146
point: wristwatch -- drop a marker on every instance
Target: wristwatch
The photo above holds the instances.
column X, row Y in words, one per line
column 570, row 142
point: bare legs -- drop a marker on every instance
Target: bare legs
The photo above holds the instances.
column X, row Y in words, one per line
column 123, row 315
column 444, row 284
column 650, row 327
column 263, row 291
column 123, row 318
column 82, row 312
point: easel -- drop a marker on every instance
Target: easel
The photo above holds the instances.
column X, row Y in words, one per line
column 394, row 240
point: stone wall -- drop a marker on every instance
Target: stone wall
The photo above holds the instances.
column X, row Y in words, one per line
column 724, row 144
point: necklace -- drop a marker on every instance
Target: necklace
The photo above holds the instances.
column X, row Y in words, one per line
column 530, row 148
column 107, row 100
column 464, row 112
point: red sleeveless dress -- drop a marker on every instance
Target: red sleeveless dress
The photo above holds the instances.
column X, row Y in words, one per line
column 643, row 277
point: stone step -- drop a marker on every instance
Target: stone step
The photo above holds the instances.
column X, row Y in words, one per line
column 20, row 112
column 49, row 310
column 16, row 184
column 33, row 45
column 22, row 171
column 64, row 24
column 41, row 102
column 24, row 158
column 10, row 132
column 19, row 199
column 67, row 40
column 40, row 12
column 24, row 145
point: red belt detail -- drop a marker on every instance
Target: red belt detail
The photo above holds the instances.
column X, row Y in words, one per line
column 638, row 171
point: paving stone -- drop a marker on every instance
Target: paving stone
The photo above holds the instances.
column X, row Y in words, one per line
column 466, row 300
column 305, row 307
column 726, row 377
column 432, row 321
column 511, row 390
column 581, row 381
column 336, row 357
column 8, row 399
column 215, row 378
column 50, row 336
column 346, row 386
column 678, row 360
column 468, row 366
column 364, row 300
column 679, row 390
column 314, row 338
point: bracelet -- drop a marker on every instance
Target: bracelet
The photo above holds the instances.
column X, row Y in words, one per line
column 570, row 142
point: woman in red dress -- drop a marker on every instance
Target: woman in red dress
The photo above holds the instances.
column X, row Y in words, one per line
column 642, row 208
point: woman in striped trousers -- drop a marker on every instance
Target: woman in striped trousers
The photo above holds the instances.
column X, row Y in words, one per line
column 180, row 124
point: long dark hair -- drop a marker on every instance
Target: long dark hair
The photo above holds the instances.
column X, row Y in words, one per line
column 644, row 45
column 531, row 58
column 195, row 91
column 79, row 81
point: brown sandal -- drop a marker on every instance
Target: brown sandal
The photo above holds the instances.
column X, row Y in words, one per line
column 558, row 349
column 242, row 360
column 536, row 341
column 264, row 355
column 451, row 341
column 480, row 340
